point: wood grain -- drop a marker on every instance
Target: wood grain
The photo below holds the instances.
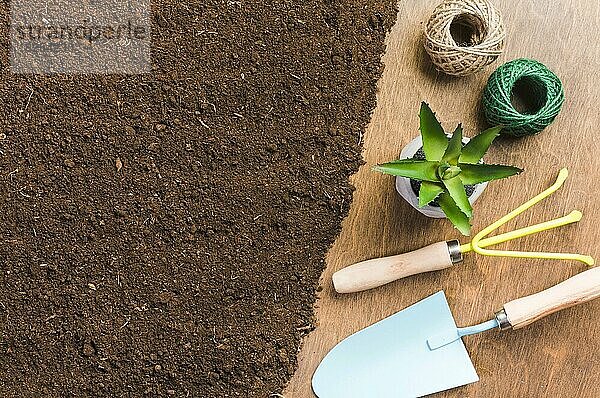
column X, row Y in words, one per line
column 578, row 289
column 557, row 356
column 376, row 272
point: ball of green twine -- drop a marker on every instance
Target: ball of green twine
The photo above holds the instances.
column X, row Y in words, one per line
column 537, row 82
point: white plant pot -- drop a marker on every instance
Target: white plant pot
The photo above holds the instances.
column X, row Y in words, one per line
column 405, row 190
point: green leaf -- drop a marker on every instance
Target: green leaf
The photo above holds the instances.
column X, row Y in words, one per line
column 406, row 160
column 454, row 214
column 428, row 192
column 421, row 170
column 434, row 138
column 456, row 189
column 474, row 150
column 472, row 174
column 454, row 147
column 445, row 171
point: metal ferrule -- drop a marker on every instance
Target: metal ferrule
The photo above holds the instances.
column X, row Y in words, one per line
column 454, row 250
column 503, row 322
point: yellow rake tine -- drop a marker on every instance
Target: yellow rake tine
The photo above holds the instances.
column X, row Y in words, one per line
column 541, row 255
column 477, row 239
column 570, row 218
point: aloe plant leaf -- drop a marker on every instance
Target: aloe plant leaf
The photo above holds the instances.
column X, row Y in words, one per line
column 453, row 150
column 407, row 160
column 474, row 150
column 456, row 189
column 435, row 141
column 421, row 170
column 446, row 171
column 472, row 174
column 428, row 192
column 454, row 214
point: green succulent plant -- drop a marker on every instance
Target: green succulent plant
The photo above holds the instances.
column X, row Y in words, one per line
column 448, row 167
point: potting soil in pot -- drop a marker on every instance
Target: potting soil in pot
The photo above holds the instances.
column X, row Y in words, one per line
column 163, row 234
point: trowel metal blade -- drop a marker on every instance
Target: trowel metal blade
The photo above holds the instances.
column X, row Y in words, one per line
column 391, row 358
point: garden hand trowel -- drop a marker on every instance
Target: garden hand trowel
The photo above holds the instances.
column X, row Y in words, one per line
column 372, row 273
column 419, row 350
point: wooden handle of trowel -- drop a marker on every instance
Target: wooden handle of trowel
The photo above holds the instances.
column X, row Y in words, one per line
column 575, row 290
column 373, row 273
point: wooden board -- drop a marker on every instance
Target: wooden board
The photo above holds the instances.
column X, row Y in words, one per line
column 557, row 356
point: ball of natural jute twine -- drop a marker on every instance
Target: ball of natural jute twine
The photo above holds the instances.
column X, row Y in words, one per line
column 538, row 82
column 484, row 45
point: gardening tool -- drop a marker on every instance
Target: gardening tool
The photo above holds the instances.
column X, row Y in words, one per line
column 419, row 350
column 372, row 273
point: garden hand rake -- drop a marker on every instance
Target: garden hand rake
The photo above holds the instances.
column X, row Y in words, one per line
column 373, row 273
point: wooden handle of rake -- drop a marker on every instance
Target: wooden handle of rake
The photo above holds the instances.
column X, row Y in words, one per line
column 575, row 290
column 377, row 272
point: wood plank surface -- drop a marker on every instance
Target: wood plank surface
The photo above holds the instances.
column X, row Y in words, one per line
column 557, row 356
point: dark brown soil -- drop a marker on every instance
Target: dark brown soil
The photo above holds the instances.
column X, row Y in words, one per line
column 163, row 235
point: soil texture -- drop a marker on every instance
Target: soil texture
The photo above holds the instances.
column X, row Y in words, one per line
column 163, row 234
